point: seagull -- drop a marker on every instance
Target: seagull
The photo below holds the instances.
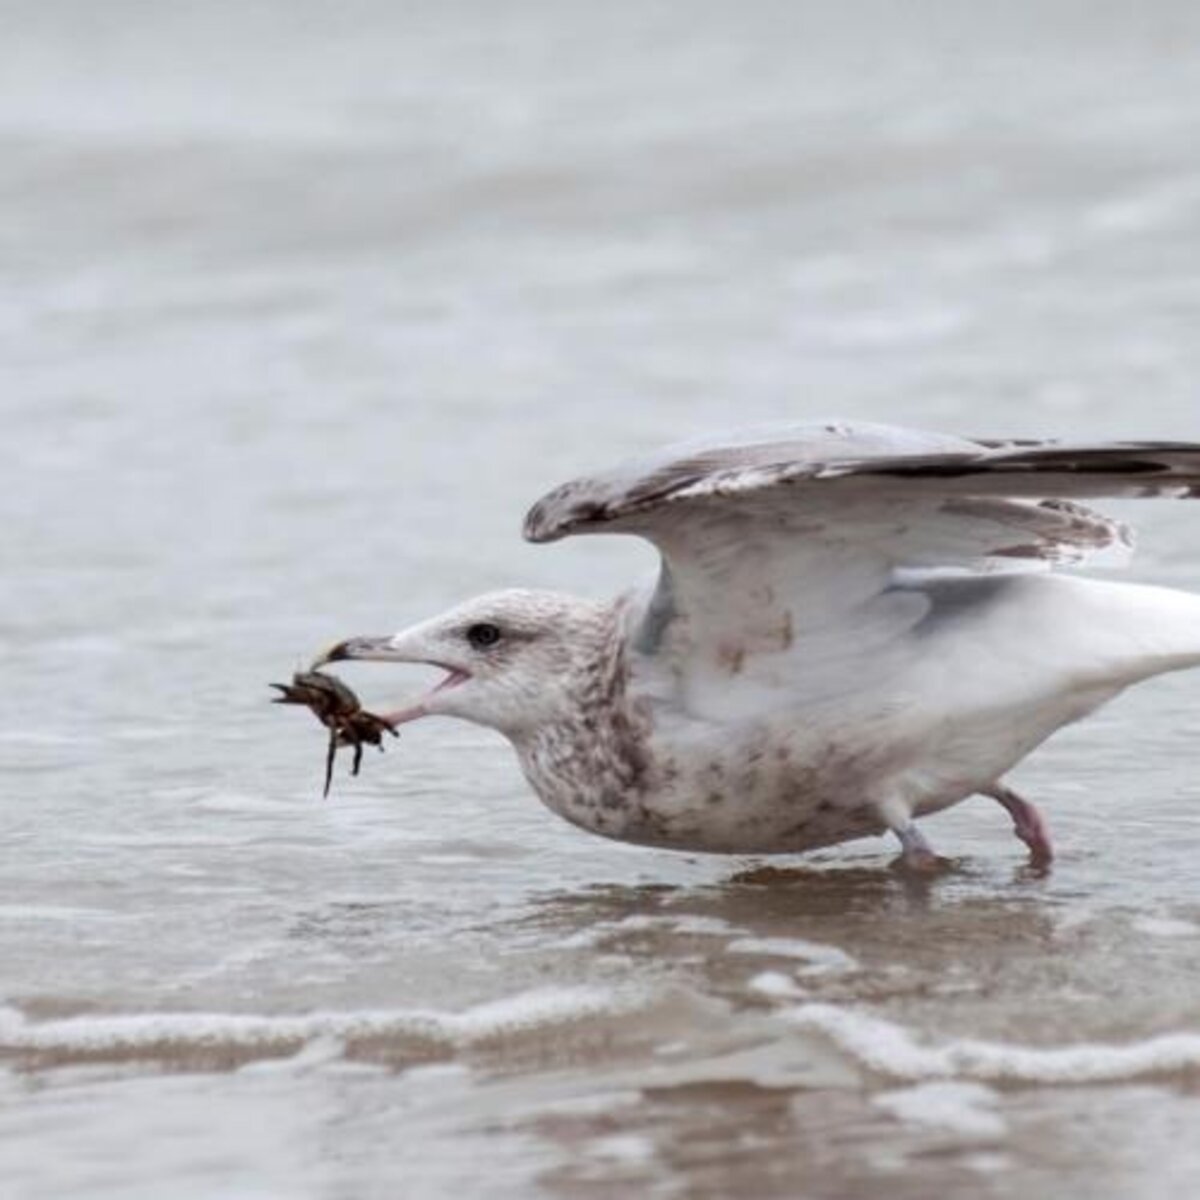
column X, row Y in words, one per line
column 853, row 626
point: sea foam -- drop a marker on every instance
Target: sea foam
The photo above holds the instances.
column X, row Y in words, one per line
column 249, row 1036
column 891, row 1050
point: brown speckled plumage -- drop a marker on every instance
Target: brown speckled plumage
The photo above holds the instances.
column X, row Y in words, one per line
column 593, row 762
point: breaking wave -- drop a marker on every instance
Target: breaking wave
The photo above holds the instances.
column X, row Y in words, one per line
column 228, row 1039
column 888, row 1049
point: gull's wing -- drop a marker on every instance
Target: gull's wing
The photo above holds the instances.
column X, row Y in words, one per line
column 773, row 536
column 792, row 465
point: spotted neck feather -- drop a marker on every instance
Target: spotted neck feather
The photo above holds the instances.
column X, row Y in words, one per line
column 591, row 764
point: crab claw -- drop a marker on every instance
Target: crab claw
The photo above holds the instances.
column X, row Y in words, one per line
column 288, row 694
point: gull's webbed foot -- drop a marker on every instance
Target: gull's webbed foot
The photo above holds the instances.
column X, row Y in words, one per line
column 1028, row 824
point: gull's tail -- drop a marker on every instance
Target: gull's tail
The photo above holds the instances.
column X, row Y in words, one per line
column 1134, row 631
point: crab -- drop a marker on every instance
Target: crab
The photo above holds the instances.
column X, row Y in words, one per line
column 338, row 709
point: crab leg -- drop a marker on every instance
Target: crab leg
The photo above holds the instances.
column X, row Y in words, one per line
column 329, row 756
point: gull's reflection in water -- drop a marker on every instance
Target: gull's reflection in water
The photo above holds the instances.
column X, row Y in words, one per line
column 843, row 930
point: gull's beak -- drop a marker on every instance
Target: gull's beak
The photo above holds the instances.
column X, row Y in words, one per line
column 377, row 649
column 415, row 645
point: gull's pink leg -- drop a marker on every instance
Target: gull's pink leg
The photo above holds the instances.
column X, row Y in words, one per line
column 1028, row 824
column 918, row 854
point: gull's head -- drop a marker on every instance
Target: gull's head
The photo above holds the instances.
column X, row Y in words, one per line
column 511, row 657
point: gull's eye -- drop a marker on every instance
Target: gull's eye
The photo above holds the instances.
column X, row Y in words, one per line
column 483, row 634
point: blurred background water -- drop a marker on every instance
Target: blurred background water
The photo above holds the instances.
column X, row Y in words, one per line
column 301, row 305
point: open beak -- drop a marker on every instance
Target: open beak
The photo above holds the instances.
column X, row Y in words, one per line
column 403, row 648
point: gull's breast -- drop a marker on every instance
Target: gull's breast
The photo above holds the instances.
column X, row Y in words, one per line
column 763, row 790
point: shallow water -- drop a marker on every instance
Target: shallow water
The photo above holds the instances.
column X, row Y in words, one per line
column 301, row 307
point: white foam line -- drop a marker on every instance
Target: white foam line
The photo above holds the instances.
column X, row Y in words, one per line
column 889, row 1049
column 198, row 1030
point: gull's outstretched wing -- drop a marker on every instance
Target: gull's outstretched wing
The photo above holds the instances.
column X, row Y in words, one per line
column 791, row 466
column 773, row 536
